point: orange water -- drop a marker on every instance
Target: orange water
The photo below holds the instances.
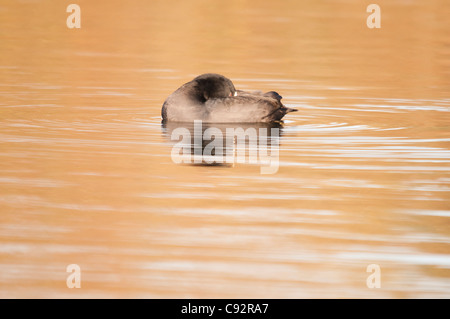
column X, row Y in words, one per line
column 87, row 178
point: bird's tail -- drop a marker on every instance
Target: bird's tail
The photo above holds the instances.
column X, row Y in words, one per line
column 289, row 110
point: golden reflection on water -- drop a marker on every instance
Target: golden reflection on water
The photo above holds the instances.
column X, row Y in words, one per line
column 86, row 175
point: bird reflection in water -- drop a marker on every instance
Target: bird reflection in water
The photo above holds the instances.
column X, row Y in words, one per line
column 212, row 144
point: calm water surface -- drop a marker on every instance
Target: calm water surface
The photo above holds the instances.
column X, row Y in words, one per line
column 87, row 178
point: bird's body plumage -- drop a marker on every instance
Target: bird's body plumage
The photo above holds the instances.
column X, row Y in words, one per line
column 212, row 98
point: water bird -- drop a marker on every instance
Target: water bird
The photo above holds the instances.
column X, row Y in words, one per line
column 212, row 98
